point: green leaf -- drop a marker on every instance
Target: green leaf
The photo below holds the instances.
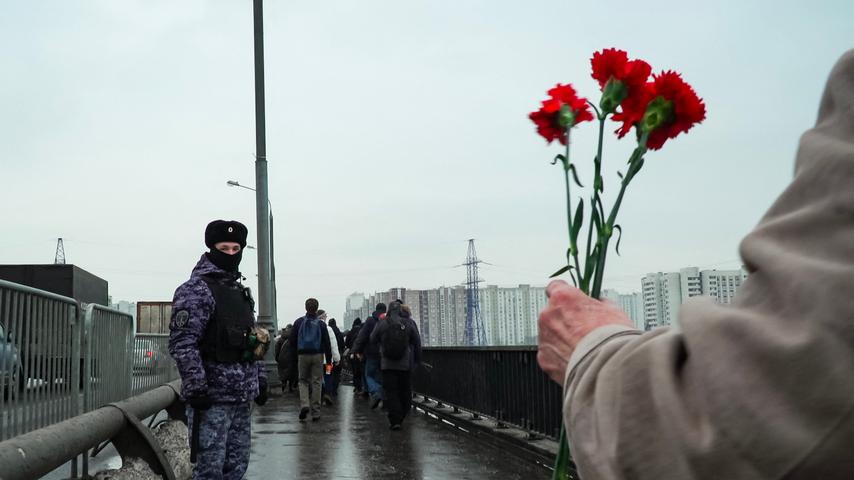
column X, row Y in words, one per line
column 559, row 158
column 620, row 174
column 575, row 176
column 617, row 227
column 561, row 271
column 578, row 220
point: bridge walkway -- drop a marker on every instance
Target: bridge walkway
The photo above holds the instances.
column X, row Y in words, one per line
column 353, row 441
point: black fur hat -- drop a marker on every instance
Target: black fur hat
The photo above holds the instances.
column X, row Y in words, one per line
column 225, row 231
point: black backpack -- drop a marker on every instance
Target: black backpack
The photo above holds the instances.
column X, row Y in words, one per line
column 395, row 339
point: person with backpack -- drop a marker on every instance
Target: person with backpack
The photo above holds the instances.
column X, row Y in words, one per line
column 369, row 352
column 355, row 364
column 400, row 352
column 313, row 349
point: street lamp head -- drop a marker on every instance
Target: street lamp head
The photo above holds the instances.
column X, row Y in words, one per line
column 232, row 183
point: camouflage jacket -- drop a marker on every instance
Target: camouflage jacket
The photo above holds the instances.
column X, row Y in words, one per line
column 192, row 307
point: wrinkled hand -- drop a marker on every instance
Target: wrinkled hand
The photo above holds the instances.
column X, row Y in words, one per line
column 263, row 393
column 200, row 402
column 569, row 316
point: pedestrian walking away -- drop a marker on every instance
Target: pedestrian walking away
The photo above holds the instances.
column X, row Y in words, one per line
column 336, row 370
column 313, row 349
column 370, row 353
column 219, row 350
column 285, row 366
column 356, row 365
column 400, row 352
column 328, row 367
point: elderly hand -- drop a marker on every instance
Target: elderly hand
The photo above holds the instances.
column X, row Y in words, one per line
column 569, row 316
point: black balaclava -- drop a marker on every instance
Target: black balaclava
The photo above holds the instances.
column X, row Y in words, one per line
column 227, row 262
column 225, row 231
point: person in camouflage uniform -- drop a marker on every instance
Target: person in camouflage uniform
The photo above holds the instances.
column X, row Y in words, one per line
column 212, row 330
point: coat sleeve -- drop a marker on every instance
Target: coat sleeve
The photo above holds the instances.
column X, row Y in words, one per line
column 326, row 344
column 192, row 306
column 336, row 355
column 415, row 342
column 362, row 340
column 759, row 389
column 376, row 334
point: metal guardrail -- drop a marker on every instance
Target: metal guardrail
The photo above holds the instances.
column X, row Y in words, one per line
column 39, row 358
column 39, row 452
column 59, row 359
column 152, row 365
column 500, row 382
column 106, row 368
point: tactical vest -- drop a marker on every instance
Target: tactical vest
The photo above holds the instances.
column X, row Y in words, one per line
column 225, row 339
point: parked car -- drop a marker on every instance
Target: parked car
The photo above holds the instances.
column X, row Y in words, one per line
column 11, row 376
column 148, row 356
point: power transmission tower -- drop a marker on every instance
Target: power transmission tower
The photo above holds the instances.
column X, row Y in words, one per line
column 474, row 334
column 59, row 259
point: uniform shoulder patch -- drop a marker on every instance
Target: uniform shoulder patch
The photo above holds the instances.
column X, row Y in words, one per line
column 181, row 318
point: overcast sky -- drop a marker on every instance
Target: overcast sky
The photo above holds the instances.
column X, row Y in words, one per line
column 395, row 131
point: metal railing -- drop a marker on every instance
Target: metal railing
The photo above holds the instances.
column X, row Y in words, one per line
column 152, row 365
column 59, row 359
column 39, row 452
column 504, row 383
column 107, row 364
column 39, row 359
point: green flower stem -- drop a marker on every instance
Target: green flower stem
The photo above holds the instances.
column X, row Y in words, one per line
column 573, row 248
column 597, row 183
column 635, row 164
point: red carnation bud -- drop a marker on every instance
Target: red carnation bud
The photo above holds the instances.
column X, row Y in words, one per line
column 658, row 112
column 563, row 109
column 613, row 94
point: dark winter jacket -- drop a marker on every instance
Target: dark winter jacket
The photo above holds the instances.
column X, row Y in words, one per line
column 350, row 339
column 192, row 308
column 363, row 344
column 412, row 357
column 284, row 347
column 325, row 346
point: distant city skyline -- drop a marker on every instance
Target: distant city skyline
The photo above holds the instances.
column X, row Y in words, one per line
column 510, row 313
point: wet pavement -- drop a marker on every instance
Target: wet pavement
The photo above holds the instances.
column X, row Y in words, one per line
column 353, row 441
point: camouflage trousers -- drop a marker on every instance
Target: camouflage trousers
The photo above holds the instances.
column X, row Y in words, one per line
column 224, row 441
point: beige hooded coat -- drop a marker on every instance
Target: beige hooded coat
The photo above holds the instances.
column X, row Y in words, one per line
column 762, row 388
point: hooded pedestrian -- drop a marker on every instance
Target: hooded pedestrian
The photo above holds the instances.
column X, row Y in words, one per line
column 400, row 352
column 370, row 352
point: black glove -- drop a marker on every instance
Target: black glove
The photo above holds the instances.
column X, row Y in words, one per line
column 201, row 402
column 261, row 399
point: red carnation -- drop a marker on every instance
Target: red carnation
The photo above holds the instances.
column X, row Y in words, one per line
column 673, row 109
column 564, row 108
column 621, row 80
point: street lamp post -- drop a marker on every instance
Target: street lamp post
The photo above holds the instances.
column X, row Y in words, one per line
column 273, row 302
column 262, row 205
